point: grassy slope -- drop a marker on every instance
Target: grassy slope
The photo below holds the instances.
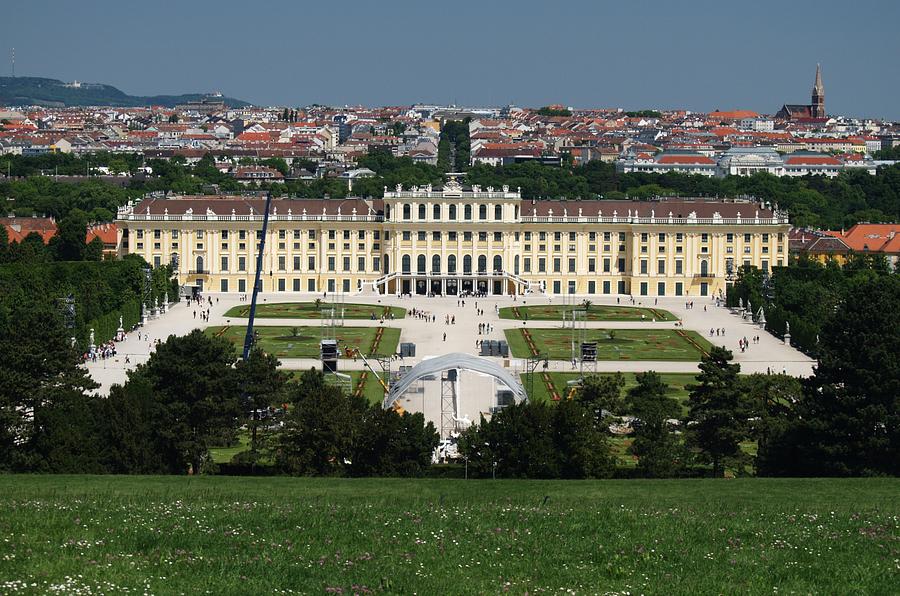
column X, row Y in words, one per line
column 632, row 344
column 308, row 310
column 260, row 535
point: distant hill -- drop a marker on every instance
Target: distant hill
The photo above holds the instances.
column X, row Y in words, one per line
column 21, row 91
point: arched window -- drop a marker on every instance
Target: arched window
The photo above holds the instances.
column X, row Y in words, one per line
column 386, row 263
column 498, row 263
column 482, row 264
column 407, row 211
column 387, row 211
column 436, row 264
column 498, row 212
column 421, row 211
column 406, row 264
column 516, row 264
column 452, row 212
column 420, row 264
column 517, row 213
column 482, row 212
column 451, row 264
column 704, row 268
column 199, row 264
column 436, row 213
column 467, row 264
column 467, row 212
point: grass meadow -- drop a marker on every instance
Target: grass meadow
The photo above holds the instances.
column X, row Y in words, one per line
column 219, row 535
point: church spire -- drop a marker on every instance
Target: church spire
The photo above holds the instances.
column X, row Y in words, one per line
column 817, row 109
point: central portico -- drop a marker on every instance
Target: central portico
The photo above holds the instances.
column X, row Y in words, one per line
column 451, row 241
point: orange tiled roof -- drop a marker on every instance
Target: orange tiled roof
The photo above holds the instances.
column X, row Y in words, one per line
column 733, row 115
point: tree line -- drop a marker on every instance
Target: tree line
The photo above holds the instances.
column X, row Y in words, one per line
column 804, row 294
column 193, row 395
column 815, row 201
column 101, row 291
column 842, row 421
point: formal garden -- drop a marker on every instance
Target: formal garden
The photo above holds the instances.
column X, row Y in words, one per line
column 303, row 342
column 612, row 344
column 318, row 309
column 588, row 312
column 554, row 385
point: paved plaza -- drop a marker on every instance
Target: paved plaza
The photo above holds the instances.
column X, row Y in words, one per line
column 770, row 354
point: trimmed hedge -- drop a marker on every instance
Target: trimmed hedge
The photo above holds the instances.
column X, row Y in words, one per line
column 103, row 291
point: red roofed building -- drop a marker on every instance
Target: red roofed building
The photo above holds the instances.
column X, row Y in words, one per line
column 732, row 115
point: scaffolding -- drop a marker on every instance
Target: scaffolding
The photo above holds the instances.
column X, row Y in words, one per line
column 449, row 380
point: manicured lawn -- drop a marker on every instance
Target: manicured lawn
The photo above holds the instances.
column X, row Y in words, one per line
column 282, row 342
column 597, row 312
column 628, row 344
column 675, row 381
column 220, row 535
column 308, row 310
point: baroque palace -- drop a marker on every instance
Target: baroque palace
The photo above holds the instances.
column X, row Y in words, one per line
column 454, row 240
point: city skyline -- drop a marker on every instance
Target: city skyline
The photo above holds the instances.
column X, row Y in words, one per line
column 404, row 53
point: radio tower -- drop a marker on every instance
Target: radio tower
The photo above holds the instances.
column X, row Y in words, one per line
column 14, row 62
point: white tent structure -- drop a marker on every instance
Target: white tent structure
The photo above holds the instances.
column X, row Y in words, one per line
column 457, row 361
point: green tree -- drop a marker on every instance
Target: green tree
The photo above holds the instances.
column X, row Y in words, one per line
column 582, row 444
column 192, row 377
column 518, row 440
column 38, row 369
column 659, row 451
column 320, row 430
column 262, row 385
column 774, row 398
column 718, row 412
column 849, row 420
column 536, row 440
column 601, row 394
column 391, row 444
column 93, row 250
column 71, row 237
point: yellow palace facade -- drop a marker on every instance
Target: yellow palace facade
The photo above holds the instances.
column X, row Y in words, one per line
column 455, row 240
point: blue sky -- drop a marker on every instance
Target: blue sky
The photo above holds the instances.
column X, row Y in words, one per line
column 699, row 55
